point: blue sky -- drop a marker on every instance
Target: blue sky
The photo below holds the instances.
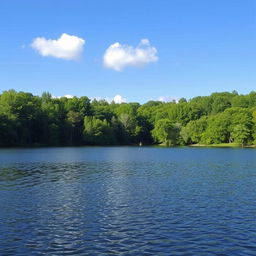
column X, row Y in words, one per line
column 202, row 47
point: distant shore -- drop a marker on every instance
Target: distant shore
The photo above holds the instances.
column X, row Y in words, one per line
column 198, row 145
column 223, row 145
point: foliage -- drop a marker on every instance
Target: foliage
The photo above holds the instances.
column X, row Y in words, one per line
column 28, row 120
column 166, row 132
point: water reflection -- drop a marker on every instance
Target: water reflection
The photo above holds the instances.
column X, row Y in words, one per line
column 115, row 203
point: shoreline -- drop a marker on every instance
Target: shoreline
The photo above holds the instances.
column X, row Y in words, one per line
column 222, row 145
column 198, row 145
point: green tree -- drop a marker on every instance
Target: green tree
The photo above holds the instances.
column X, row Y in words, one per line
column 97, row 132
column 241, row 134
column 193, row 131
column 216, row 131
column 166, row 132
column 75, row 121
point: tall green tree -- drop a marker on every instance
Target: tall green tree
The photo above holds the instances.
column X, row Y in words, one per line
column 97, row 132
column 166, row 132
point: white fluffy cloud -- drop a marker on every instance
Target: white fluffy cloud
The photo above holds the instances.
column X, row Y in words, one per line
column 68, row 96
column 167, row 99
column 119, row 56
column 66, row 47
column 119, row 99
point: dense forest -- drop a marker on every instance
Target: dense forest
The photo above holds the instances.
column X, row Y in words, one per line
column 28, row 120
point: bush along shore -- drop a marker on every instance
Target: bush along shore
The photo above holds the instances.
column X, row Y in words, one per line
column 224, row 119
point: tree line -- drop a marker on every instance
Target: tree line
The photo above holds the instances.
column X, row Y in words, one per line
column 29, row 120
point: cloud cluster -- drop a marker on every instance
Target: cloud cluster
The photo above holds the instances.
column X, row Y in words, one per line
column 66, row 47
column 119, row 56
column 118, row 99
column 68, row 96
column 167, row 99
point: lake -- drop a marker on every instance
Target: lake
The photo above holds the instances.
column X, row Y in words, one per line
column 127, row 201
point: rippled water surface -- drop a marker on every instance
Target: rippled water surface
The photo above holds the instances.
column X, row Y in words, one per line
column 127, row 201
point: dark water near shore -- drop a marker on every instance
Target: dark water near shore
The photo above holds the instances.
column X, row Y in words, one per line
column 127, row 201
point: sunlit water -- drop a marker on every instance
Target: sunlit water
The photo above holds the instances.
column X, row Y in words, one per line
column 127, row 201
